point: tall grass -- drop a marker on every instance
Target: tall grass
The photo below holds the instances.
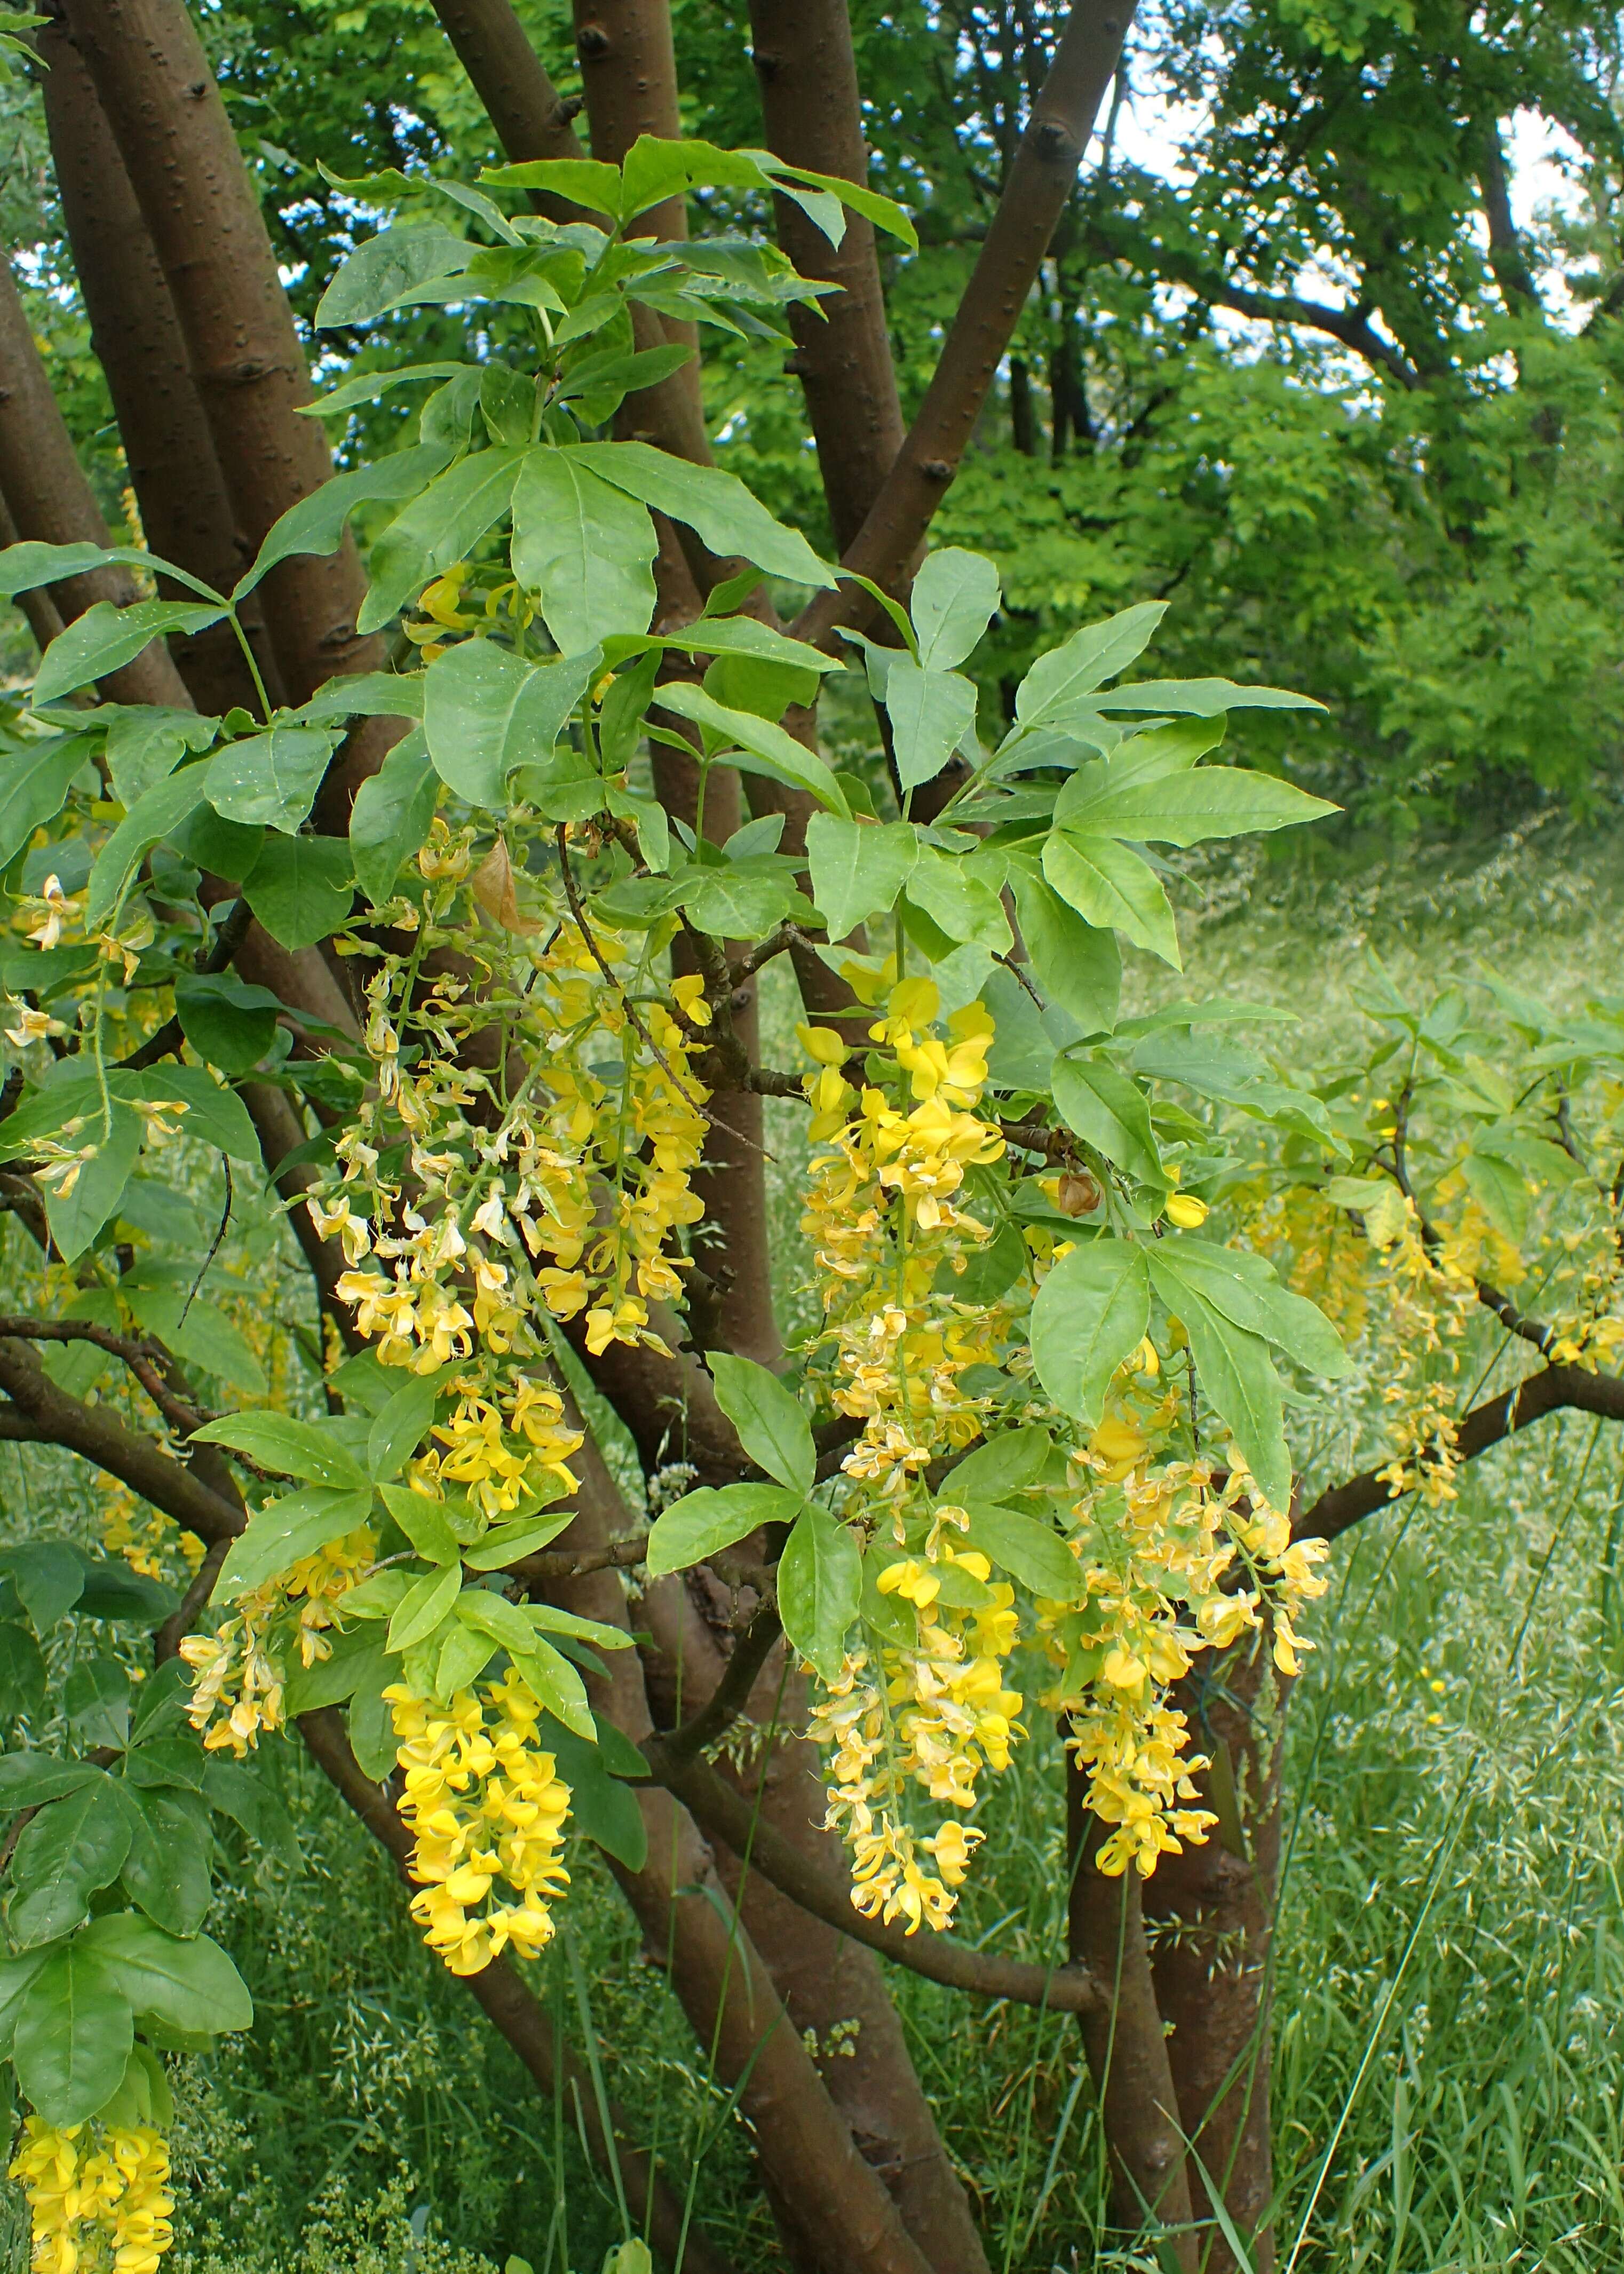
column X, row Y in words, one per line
column 1450, row 1953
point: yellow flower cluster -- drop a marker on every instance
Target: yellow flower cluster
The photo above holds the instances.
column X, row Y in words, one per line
column 528, row 1149
column 139, row 1532
column 95, row 2210
column 486, row 1810
column 1429, row 1300
column 884, row 1216
column 238, row 1671
column 1174, row 1562
column 931, row 1715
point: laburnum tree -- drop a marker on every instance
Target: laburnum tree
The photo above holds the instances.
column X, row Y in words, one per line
column 432, row 894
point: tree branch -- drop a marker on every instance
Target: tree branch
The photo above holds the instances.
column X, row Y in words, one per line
column 725, row 1815
column 1550, row 1391
column 144, row 1358
column 1041, row 180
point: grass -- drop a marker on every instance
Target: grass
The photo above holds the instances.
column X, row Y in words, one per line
column 1450, row 1958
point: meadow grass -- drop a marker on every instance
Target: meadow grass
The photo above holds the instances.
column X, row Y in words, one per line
column 1450, row 1954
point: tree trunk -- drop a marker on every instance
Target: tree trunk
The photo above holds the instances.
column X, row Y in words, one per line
column 813, row 113
column 1125, row 2044
column 165, row 113
column 50, row 498
column 835, row 2208
column 1210, row 1915
column 173, row 467
column 833, row 1988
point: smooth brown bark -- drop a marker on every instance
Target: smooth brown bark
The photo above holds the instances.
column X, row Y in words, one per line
column 1124, row 2044
column 1209, row 1918
column 813, row 113
column 837, row 2209
column 1041, row 180
column 173, row 467
column 179, row 152
column 50, row 501
column 40, row 612
column 832, row 1988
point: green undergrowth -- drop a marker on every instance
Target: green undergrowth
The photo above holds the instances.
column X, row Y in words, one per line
column 1450, row 1956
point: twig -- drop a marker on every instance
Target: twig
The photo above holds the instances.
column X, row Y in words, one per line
column 143, row 1358
column 177, row 1626
column 788, row 935
column 731, row 1693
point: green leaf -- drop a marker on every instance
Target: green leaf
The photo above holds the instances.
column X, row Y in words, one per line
column 585, row 546
column 371, row 385
column 1111, row 887
column 702, row 1523
column 377, row 272
column 1033, row 1552
column 156, row 814
column 199, row 1333
column 1500, row 1190
column 148, row 742
column 820, row 1589
column 766, row 748
column 300, row 888
column 771, row 1424
column 317, row 522
column 362, row 694
column 951, row 603
column 22, row 1674
column 1109, row 1111
column 34, row 786
column 399, row 1428
column 105, row 637
column 111, row 1590
column 1065, row 678
column 289, row 1529
column 1205, row 697
column 422, row 1520
column 1244, row 1287
column 63, row 1857
column 25, row 568
column 1077, row 965
column 49, row 1577
column 962, row 905
column 740, row 901
column 558, row 1687
column 76, row 1217
column 495, row 1615
column 506, row 1543
column 439, row 528
column 15, row 1976
column 423, row 1606
column 931, row 713
column 358, row 1662
column 372, row 1733
column 546, row 1618
column 857, row 868
column 463, row 1657
column 97, row 1699
column 1236, row 1376
column 486, row 711
column 226, row 1020
column 716, row 506
column 190, row 1984
column 1005, row 1463
column 1189, row 808
column 585, row 182
column 270, row 779
column 215, row 1116
column 28, row 1780
column 600, row 1804
column 73, row 2033
column 167, row 1869
column 390, row 818
column 1090, row 1314
column 281, row 1441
